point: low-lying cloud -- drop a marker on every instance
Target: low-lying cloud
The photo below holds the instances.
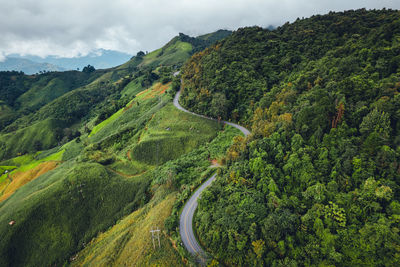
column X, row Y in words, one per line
column 76, row 27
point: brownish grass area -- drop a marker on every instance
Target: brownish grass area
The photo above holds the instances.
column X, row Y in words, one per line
column 156, row 90
column 21, row 178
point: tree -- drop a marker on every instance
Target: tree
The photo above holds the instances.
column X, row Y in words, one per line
column 88, row 69
column 219, row 106
column 37, row 145
column 140, row 54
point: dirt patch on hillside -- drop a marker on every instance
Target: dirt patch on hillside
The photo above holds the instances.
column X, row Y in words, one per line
column 21, row 178
column 215, row 163
column 130, row 106
column 155, row 90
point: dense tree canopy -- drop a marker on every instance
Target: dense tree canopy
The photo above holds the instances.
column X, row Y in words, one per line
column 317, row 182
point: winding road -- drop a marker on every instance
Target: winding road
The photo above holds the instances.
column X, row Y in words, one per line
column 186, row 219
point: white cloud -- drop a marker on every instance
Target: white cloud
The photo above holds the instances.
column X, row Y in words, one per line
column 76, row 27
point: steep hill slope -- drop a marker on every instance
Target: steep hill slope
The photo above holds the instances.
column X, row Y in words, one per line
column 86, row 150
column 73, row 98
column 317, row 182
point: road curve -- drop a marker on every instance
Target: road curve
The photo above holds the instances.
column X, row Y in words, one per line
column 186, row 219
column 178, row 106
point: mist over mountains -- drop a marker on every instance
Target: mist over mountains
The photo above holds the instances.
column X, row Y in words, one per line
column 100, row 59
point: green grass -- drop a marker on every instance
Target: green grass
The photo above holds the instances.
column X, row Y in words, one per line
column 8, row 168
column 43, row 93
column 133, row 88
column 149, row 134
column 154, row 91
column 30, row 161
column 52, row 85
column 23, row 140
column 129, row 168
column 112, row 118
column 99, row 126
column 4, row 176
column 21, row 160
column 54, row 157
column 175, row 52
column 63, row 209
column 72, row 150
column 170, row 134
column 129, row 242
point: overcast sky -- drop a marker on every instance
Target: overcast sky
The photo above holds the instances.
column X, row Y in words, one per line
column 70, row 28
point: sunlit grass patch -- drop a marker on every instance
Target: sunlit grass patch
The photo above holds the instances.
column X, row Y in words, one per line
column 156, row 90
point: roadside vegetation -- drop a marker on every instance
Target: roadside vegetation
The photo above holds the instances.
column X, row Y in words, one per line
column 317, row 181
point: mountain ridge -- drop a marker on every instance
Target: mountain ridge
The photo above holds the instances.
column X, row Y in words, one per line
column 27, row 66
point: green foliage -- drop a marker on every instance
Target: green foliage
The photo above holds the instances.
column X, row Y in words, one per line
column 88, row 69
column 23, row 141
column 24, row 94
column 317, row 182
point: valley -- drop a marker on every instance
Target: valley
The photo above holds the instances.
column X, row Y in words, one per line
column 258, row 147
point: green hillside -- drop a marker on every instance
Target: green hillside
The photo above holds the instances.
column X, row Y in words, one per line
column 91, row 161
column 25, row 94
column 317, row 182
column 73, row 98
column 176, row 51
column 79, row 153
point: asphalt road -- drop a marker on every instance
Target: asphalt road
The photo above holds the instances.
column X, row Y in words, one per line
column 186, row 219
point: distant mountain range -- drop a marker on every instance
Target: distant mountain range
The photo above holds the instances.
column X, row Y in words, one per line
column 27, row 66
column 100, row 59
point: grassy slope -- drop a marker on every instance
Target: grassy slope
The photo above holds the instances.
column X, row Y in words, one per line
column 158, row 132
column 20, row 178
column 174, row 52
column 23, row 140
column 129, row 241
column 61, row 210
column 28, row 167
column 151, row 92
column 55, row 188
column 40, row 94
column 171, row 133
column 133, row 88
column 99, row 126
column 40, row 127
column 49, row 86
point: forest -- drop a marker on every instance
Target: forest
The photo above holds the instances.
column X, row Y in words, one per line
column 317, row 181
column 91, row 160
